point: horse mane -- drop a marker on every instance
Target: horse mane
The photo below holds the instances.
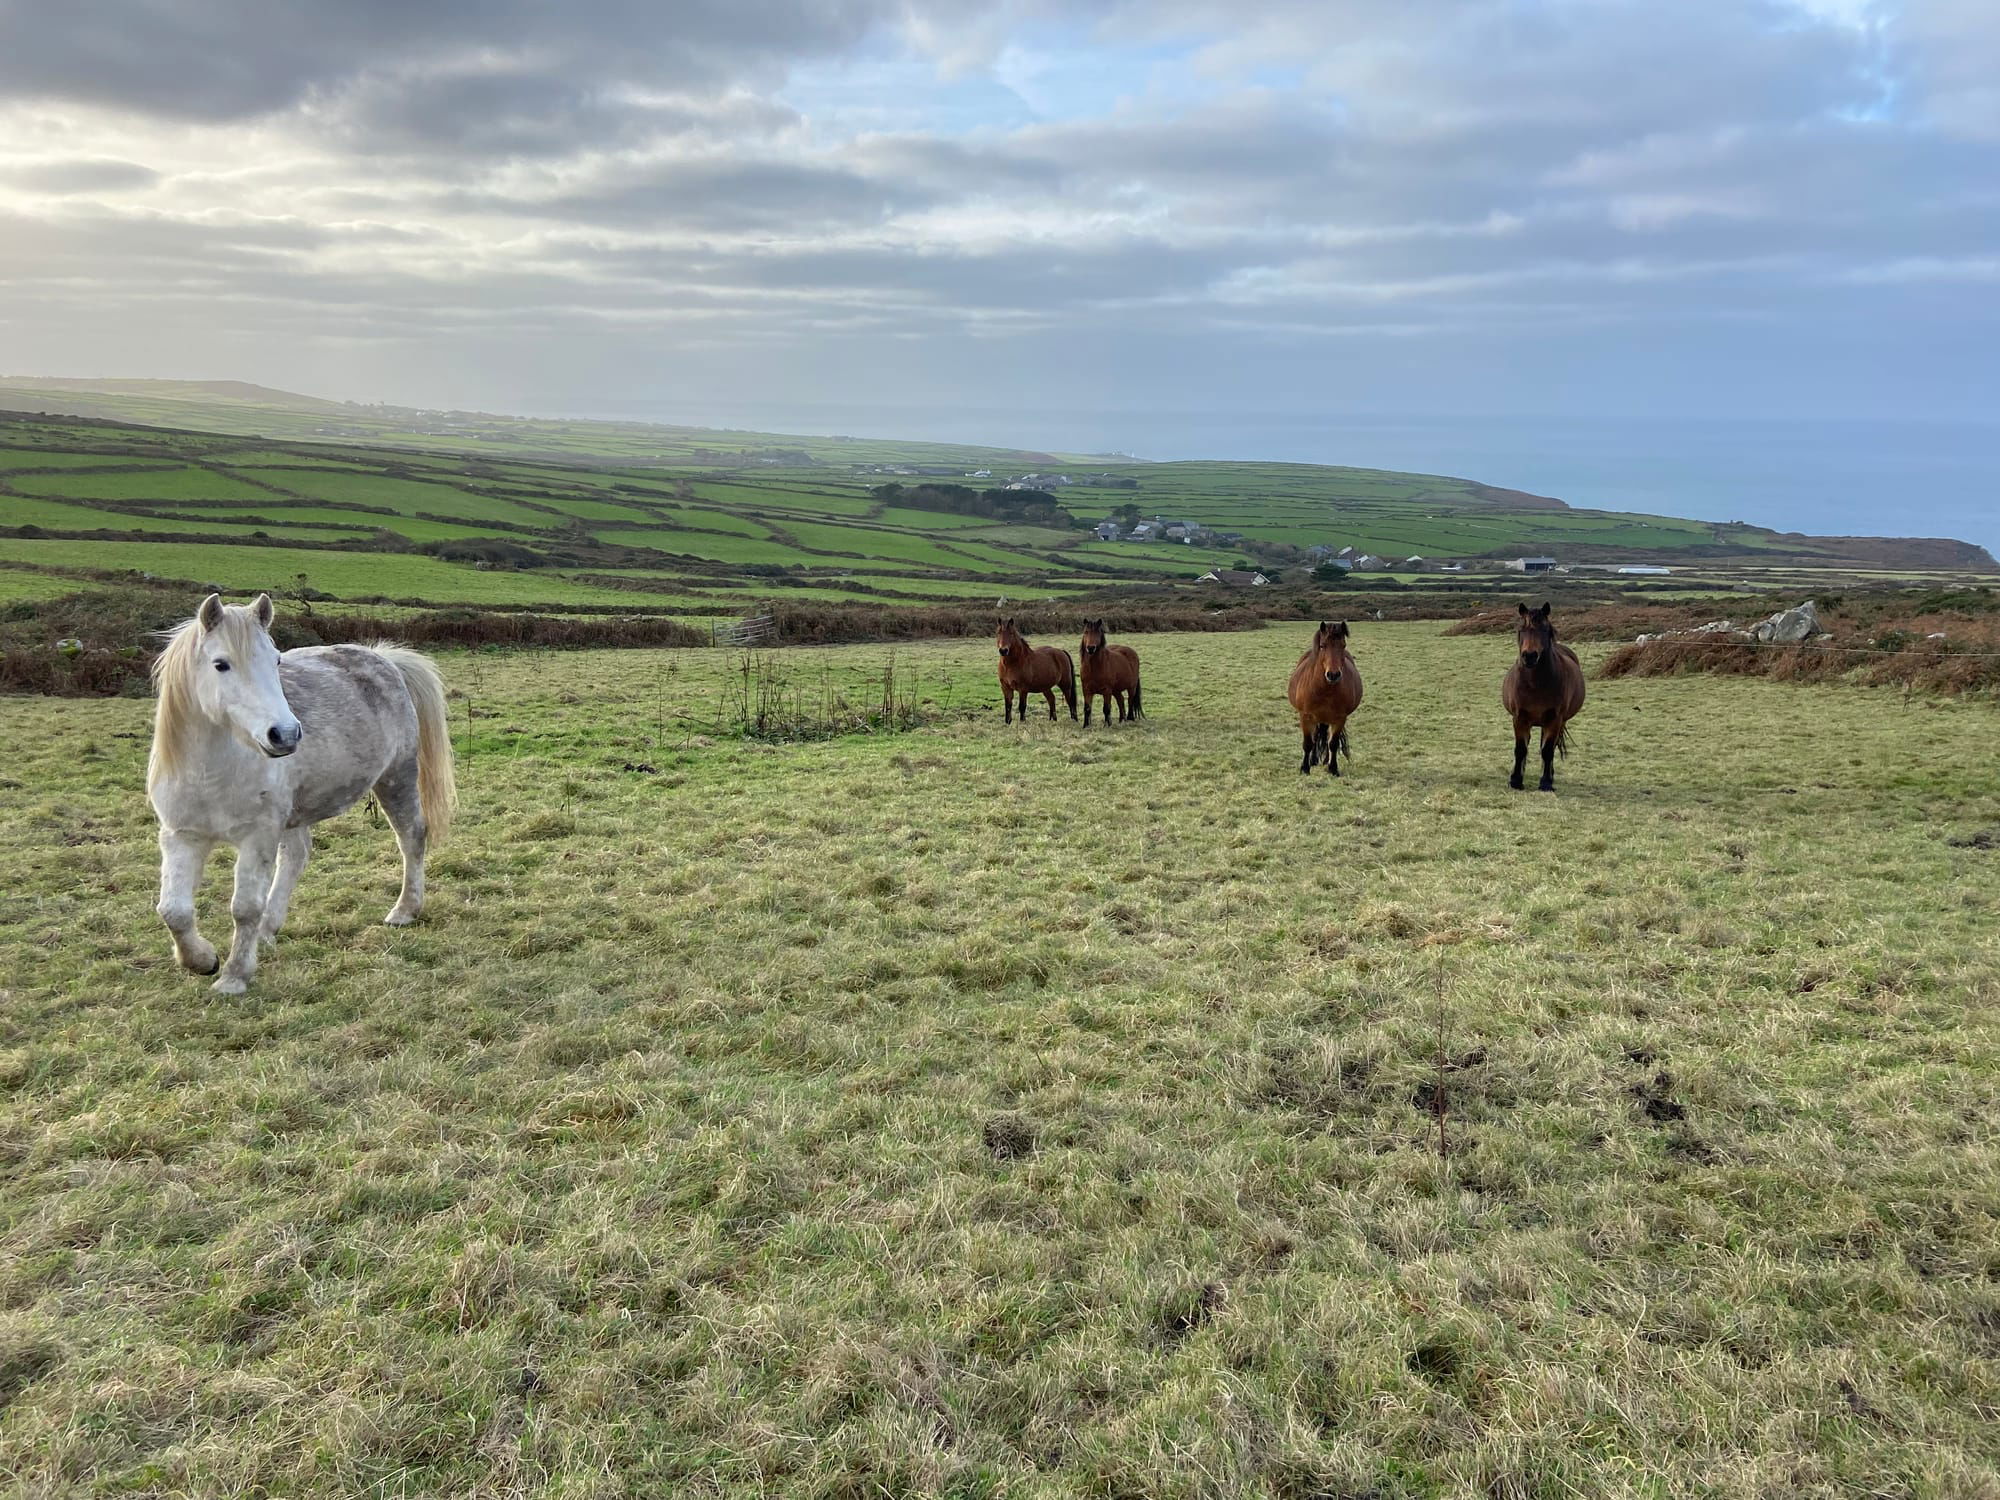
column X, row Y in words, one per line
column 173, row 683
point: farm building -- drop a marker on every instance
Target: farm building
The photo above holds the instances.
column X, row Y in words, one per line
column 1234, row 577
column 1107, row 531
column 1647, row 570
column 1533, row 565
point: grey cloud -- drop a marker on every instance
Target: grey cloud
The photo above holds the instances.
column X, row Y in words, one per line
column 715, row 194
column 80, row 175
column 233, row 59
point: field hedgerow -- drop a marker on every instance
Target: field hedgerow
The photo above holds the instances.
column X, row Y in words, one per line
column 985, row 1110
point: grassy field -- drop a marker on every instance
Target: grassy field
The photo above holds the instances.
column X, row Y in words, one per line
column 782, row 514
column 346, row 574
column 989, row 1111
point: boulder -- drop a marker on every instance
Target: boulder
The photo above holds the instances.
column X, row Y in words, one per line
column 1789, row 626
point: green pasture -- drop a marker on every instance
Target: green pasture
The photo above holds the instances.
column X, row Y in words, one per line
column 1024, row 1110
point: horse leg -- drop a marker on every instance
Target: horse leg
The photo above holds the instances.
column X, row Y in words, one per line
column 397, row 792
column 1090, row 698
column 294, row 849
column 1050, row 694
column 1330, row 743
column 256, row 858
column 1551, row 737
column 1306, row 733
column 181, row 859
column 1520, row 755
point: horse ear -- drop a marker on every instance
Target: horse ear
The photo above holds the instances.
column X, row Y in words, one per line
column 264, row 610
column 1544, row 610
column 1340, row 629
column 1523, row 609
column 209, row 616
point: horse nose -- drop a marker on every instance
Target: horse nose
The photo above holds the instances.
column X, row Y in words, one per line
column 284, row 738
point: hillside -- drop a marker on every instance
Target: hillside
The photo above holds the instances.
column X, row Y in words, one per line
column 259, row 488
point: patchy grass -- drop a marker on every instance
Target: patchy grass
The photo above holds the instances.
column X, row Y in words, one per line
column 351, row 575
column 1030, row 1111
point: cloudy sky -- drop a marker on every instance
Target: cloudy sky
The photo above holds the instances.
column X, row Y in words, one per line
column 752, row 209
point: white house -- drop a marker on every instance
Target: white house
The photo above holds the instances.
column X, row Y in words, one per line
column 1532, row 565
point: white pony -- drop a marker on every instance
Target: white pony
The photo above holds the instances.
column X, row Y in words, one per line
column 252, row 747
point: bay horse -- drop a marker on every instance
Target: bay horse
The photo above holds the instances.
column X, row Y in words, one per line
column 1543, row 688
column 1026, row 669
column 1109, row 672
column 253, row 746
column 1325, row 689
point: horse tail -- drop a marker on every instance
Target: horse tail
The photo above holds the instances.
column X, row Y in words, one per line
column 1068, row 677
column 1342, row 743
column 437, row 789
column 1135, row 696
column 1562, row 739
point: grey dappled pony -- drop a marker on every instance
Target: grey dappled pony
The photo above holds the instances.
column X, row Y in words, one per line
column 252, row 746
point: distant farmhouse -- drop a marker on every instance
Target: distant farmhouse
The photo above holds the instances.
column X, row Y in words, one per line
column 1647, row 570
column 1234, row 578
column 1533, row 565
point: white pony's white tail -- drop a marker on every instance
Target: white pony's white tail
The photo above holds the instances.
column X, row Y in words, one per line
column 437, row 790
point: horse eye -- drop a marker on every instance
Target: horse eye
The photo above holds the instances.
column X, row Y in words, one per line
column 222, row 666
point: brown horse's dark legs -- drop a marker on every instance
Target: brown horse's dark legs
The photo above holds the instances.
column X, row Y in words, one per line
column 1306, row 765
column 1549, row 742
column 1520, row 757
column 1330, row 743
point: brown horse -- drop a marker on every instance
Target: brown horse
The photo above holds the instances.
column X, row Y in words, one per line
column 1325, row 688
column 1026, row 669
column 1544, row 687
column 1109, row 672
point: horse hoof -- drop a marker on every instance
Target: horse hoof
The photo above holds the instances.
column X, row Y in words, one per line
column 208, row 966
column 399, row 919
column 229, row 984
column 1546, row 786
